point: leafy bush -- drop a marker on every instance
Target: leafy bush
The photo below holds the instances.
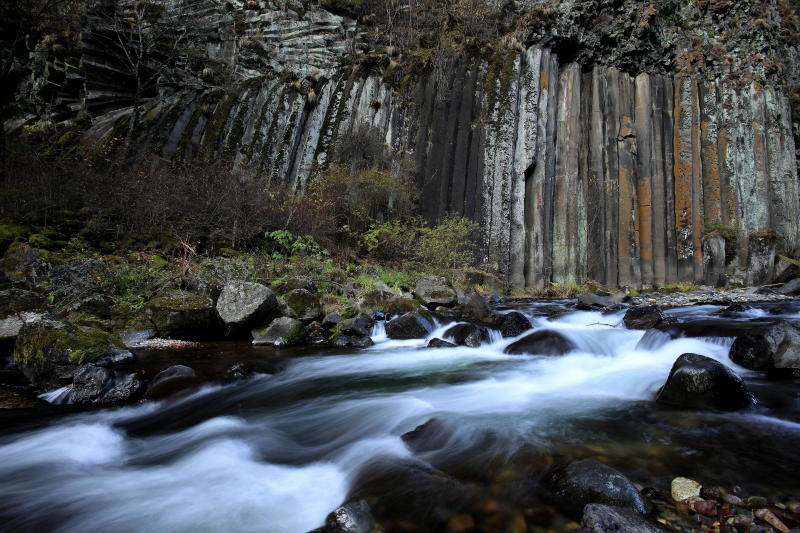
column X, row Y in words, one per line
column 451, row 244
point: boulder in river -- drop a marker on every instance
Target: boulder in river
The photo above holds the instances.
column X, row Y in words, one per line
column 433, row 292
column 513, row 324
column 283, row 331
column 171, row 380
column 697, row 381
column 94, row 384
column 439, row 343
column 432, row 435
column 774, row 349
column 409, row 326
column 643, row 317
column 543, row 342
column 468, row 335
column 243, row 304
column 476, row 309
column 791, row 288
column 603, row 518
column 579, row 483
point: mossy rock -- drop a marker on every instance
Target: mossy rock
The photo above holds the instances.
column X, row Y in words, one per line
column 39, row 240
column 180, row 314
column 22, row 262
column 304, row 305
column 283, row 331
column 48, row 351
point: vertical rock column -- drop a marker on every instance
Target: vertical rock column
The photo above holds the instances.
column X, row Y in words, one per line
column 569, row 221
column 644, row 183
column 628, row 215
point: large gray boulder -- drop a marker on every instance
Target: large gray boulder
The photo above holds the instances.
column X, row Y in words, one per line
column 433, row 292
column 94, row 384
column 774, row 349
column 468, row 335
column 244, row 304
column 184, row 315
column 574, row 485
column 283, row 331
column 304, row 305
column 697, row 381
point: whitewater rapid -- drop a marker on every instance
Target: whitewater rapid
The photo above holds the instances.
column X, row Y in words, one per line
column 276, row 453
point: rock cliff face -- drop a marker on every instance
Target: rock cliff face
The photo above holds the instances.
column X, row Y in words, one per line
column 576, row 171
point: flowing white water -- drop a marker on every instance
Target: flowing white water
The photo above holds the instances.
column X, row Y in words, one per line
column 277, row 453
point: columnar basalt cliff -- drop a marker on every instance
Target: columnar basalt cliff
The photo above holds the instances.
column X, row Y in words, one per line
column 576, row 171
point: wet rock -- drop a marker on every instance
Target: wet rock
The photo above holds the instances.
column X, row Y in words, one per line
column 409, row 326
column 317, row 335
column 586, row 481
column 353, row 517
column 514, row 324
column 468, row 335
column 769, row 517
column 179, row 314
column 97, row 305
column 772, row 349
column 347, row 341
column 544, row 342
column 244, row 304
column 792, row 288
column 755, row 502
column 93, row 384
column 717, row 327
column 76, row 280
column 49, row 351
column 643, row 317
column 683, row 488
column 697, row 381
column 283, row 331
column 433, row 291
column 445, row 315
column 439, row 343
column 303, row 305
column 170, row 381
column 134, row 338
column 594, row 302
column 116, row 357
column 239, row 371
column 602, row 518
column 14, row 301
column 375, row 300
column 432, row 435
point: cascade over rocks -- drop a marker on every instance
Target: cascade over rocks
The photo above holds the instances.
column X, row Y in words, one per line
column 468, row 335
column 544, row 342
column 699, row 382
column 574, row 485
column 773, row 349
column 513, row 324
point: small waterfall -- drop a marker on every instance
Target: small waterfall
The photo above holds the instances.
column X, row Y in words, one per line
column 58, row 397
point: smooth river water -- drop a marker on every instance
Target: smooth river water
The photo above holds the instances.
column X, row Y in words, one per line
column 277, row 452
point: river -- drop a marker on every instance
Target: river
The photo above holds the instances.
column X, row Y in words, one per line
column 278, row 451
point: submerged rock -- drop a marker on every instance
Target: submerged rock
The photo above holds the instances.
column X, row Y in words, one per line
column 468, row 335
column 586, row 481
column 283, row 331
column 432, row 435
column 544, row 342
column 683, row 488
column 772, row 349
column 602, row 518
column 243, row 304
column 439, row 343
column 409, row 326
column 700, row 382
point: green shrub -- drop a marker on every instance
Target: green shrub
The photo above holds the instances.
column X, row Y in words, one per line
column 451, row 244
column 132, row 284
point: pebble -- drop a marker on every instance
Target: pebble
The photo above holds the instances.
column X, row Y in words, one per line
column 793, row 507
column 683, row 488
column 769, row 517
column 756, row 502
column 731, row 499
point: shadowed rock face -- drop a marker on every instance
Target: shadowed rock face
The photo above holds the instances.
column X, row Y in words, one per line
column 576, row 171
